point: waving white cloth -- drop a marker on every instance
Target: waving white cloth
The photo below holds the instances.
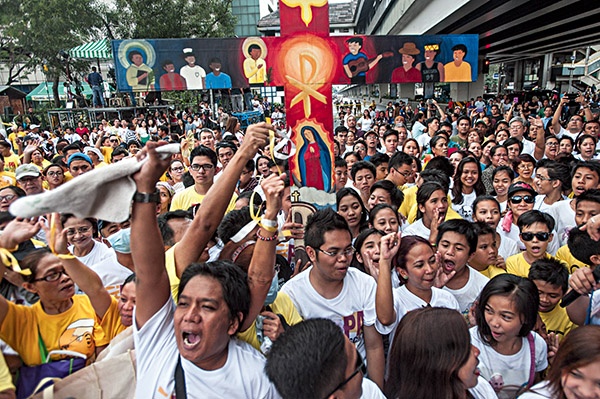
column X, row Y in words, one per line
column 104, row 193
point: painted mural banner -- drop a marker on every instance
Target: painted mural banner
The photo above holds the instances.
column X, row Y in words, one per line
column 195, row 64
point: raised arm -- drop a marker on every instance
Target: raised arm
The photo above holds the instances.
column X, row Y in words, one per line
column 556, row 117
column 85, row 278
column 540, row 138
column 147, row 250
column 99, row 139
column 384, row 300
column 217, row 199
column 261, row 269
column 15, row 232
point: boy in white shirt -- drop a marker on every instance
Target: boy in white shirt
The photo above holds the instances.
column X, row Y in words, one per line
column 333, row 290
column 456, row 242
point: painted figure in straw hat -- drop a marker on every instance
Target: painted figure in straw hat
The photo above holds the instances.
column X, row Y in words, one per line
column 407, row 72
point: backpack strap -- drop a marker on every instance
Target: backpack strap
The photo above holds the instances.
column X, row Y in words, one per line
column 180, row 390
column 531, row 341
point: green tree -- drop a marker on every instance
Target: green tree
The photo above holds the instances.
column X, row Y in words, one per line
column 43, row 30
column 143, row 19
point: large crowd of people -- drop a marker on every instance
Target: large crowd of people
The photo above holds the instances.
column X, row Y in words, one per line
column 439, row 272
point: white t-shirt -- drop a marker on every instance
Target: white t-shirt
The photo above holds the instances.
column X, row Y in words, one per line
column 483, row 390
column 112, row 274
column 565, row 132
column 417, row 129
column 595, row 308
column 405, row 301
column 528, row 147
column 507, row 373
column 424, row 142
column 564, row 216
column 466, row 295
column 370, row 390
column 99, row 253
column 242, row 376
column 508, row 247
column 193, row 76
column 465, row 208
column 417, row 229
column 538, row 391
column 353, row 308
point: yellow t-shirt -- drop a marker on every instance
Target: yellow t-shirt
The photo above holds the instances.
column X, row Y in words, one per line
column 13, row 138
column 492, row 271
column 283, row 305
column 11, row 163
column 189, row 197
column 453, row 73
column 410, row 199
column 557, row 321
column 171, row 271
column 5, row 377
column 107, row 152
column 76, row 329
column 111, row 323
column 7, row 179
column 565, row 255
column 517, row 265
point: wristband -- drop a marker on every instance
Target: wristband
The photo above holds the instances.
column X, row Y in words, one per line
column 65, row 256
column 268, row 222
column 268, row 228
column 263, row 238
column 146, row 198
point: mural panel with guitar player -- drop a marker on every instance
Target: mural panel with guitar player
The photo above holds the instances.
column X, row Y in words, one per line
column 185, row 64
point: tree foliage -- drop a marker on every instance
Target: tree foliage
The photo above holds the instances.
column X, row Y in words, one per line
column 143, row 19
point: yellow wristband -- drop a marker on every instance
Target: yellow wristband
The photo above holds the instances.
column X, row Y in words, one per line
column 66, row 256
column 268, row 228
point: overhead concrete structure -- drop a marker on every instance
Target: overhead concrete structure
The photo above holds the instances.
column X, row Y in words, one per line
column 508, row 29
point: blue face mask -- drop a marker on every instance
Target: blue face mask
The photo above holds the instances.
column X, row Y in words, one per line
column 120, row 241
column 273, row 289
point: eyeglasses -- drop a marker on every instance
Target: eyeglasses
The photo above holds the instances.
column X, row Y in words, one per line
column 540, row 236
column 80, row 230
column 52, row 174
column 114, row 141
column 361, row 367
column 337, row 253
column 7, row 198
column 196, row 167
column 529, row 199
column 177, row 169
column 54, row 276
column 551, row 144
column 404, row 174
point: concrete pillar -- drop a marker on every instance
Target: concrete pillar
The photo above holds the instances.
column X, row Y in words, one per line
column 466, row 91
column 518, row 75
column 406, row 90
column 546, row 69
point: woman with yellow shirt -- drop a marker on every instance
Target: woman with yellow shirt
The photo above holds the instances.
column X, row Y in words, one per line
column 60, row 320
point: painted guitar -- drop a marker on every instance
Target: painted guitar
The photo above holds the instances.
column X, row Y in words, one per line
column 362, row 65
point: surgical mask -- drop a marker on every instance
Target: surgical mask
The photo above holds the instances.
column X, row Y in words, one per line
column 273, row 289
column 120, row 241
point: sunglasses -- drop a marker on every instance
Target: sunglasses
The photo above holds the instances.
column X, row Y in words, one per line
column 540, row 236
column 529, row 199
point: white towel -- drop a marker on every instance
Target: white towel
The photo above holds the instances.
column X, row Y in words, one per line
column 104, row 193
